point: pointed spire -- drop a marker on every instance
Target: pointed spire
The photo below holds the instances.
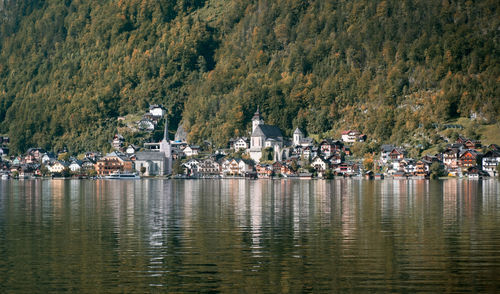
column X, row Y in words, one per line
column 165, row 137
column 256, row 115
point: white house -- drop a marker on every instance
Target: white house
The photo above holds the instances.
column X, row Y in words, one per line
column 75, row 166
column 191, row 150
column 352, row 136
column 117, row 141
column 208, row 167
column 242, row 143
column 157, row 110
column 146, row 124
column 490, row 162
column 192, row 166
column 385, row 153
column 236, row 167
column 320, row 164
column 131, row 149
column 56, row 166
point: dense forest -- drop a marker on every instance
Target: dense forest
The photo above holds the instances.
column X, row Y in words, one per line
column 389, row 68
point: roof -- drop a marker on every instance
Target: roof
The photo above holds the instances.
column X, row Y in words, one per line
column 267, row 131
column 387, row 148
column 153, row 106
column 492, row 153
column 298, row 131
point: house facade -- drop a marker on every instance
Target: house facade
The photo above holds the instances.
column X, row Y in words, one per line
column 490, row 162
column 242, row 143
column 352, row 136
column 113, row 162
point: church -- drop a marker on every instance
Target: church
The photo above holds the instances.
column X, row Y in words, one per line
column 264, row 136
column 156, row 163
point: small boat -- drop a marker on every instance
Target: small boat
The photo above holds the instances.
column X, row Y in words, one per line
column 5, row 176
column 122, row 176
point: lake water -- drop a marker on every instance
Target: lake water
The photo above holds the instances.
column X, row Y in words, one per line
column 271, row 236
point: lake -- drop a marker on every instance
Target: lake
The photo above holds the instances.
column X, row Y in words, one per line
column 236, row 235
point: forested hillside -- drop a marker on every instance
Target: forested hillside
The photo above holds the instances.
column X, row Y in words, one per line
column 68, row 69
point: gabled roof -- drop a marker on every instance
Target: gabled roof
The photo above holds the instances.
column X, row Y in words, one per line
column 387, row 148
column 472, row 152
column 267, row 131
column 492, row 153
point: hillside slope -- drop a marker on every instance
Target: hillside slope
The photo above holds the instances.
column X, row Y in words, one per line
column 68, row 69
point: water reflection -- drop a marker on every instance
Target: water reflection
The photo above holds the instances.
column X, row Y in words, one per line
column 238, row 235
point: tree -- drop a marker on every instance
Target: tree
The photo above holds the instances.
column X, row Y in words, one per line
column 66, row 172
column 143, row 170
column 368, row 162
column 177, row 168
column 328, row 174
column 437, row 170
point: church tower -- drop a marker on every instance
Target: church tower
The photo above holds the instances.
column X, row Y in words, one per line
column 166, row 149
column 297, row 137
column 256, row 120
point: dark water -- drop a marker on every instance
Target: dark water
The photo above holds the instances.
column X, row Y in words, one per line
column 282, row 236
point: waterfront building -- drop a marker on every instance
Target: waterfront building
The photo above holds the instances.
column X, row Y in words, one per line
column 157, row 162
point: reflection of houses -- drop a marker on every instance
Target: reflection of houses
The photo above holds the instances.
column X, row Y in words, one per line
column 113, row 162
column 264, row 136
column 490, row 162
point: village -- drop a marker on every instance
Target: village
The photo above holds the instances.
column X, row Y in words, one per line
column 265, row 153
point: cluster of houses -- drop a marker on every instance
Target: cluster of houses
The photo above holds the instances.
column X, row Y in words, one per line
column 264, row 153
column 464, row 157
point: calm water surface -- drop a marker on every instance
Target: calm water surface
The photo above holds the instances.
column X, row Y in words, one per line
column 268, row 236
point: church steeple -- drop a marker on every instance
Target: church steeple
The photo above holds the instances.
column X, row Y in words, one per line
column 166, row 149
column 256, row 120
column 165, row 136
